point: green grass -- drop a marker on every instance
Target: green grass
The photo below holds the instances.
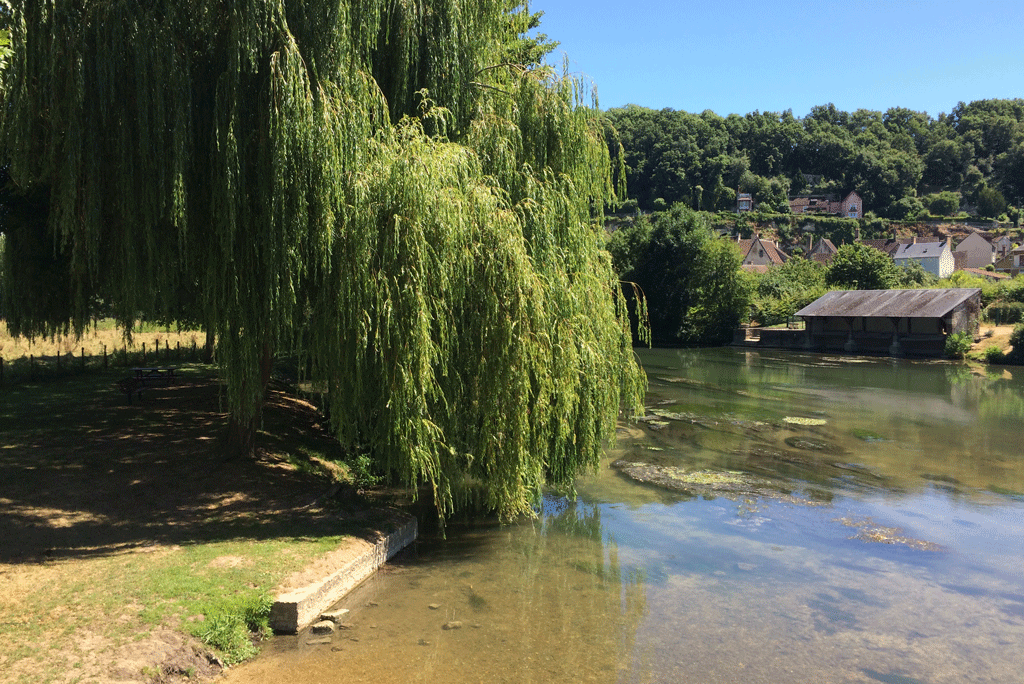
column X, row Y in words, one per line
column 71, row 448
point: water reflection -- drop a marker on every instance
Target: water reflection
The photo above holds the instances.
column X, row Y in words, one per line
column 539, row 602
column 877, row 535
column 903, row 426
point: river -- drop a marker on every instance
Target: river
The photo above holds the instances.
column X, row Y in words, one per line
column 812, row 519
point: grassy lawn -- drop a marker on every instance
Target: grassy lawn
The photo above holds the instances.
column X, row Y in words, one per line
column 127, row 532
column 41, row 358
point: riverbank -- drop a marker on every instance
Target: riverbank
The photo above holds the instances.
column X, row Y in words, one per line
column 128, row 535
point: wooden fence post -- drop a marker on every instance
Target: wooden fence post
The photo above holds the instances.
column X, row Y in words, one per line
column 83, row 358
column 1, row 371
column 32, row 366
column 143, row 353
column 104, row 357
column 58, row 359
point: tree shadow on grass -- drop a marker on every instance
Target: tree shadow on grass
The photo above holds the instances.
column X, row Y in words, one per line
column 84, row 473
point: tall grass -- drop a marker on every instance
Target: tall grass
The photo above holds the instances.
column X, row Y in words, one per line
column 103, row 346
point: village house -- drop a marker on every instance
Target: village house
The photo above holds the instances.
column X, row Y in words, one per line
column 821, row 251
column 850, row 206
column 885, row 245
column 976, row 250
column 759, row 255
column 934, row 257
column 1002, row 246
column 1012, row 264
column 744, row 202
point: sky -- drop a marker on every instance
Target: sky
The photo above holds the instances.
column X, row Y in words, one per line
column 743, row 56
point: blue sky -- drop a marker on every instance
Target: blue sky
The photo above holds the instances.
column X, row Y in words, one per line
column 742, row 56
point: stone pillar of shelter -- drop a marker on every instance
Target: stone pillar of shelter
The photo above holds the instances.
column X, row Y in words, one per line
column 850, row 346
column 895, row 349
column 809, row 324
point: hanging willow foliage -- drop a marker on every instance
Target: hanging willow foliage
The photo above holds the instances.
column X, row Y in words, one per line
column 369, row 176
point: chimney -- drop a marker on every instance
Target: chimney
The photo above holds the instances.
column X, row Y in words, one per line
column 810, row 243
column 915, row 240
column 949, row 242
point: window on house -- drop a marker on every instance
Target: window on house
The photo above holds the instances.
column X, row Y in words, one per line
column 853, row 208
column 760, row 253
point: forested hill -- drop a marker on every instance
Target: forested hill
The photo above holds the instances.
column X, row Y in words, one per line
column 899, row 161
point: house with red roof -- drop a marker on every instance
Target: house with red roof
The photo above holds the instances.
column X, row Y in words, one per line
column 850, row 206
column 759, row 254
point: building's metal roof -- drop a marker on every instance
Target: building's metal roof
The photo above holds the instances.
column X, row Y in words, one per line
column 889, row 303
column 920, row 250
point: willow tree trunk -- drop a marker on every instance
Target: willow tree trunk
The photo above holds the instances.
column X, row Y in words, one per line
column 241, row 436
column 209, row 345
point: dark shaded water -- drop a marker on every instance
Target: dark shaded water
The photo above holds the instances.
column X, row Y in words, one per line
column 886, row 544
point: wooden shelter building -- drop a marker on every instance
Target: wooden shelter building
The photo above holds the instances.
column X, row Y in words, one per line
column 895, row 322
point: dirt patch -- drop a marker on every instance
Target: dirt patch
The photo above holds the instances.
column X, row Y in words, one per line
column 92, row 488
column 993, row 336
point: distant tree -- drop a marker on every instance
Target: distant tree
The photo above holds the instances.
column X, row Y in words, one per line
column 627, row 244
column 905, row 208
column 1009, row 170
column 991, row 202
column 913, row 275
column 859, row 267
column 784, row 290
column 945, row 164
column 696, row 292
column 944, row 203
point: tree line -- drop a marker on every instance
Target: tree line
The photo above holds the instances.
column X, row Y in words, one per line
column 693, row 290
column 902, row 163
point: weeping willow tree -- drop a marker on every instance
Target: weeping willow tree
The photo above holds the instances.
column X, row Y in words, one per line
column 384, row 180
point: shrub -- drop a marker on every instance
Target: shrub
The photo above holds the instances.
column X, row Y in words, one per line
column 1005, row 312
column 958, row 344
column 994, row 354
column 1016, row 354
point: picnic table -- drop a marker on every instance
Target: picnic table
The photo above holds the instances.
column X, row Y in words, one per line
column 144, row 378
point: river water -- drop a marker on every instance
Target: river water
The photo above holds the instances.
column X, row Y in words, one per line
column 878, row 536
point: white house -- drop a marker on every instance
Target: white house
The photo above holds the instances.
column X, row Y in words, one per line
column 934, row 257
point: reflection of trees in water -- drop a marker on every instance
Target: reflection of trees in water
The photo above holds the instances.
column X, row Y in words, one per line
column 999, row 398
column 906, row 425
column 579, row 611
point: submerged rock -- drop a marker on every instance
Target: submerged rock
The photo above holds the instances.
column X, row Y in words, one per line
column 322, row 627
column 334, row 616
